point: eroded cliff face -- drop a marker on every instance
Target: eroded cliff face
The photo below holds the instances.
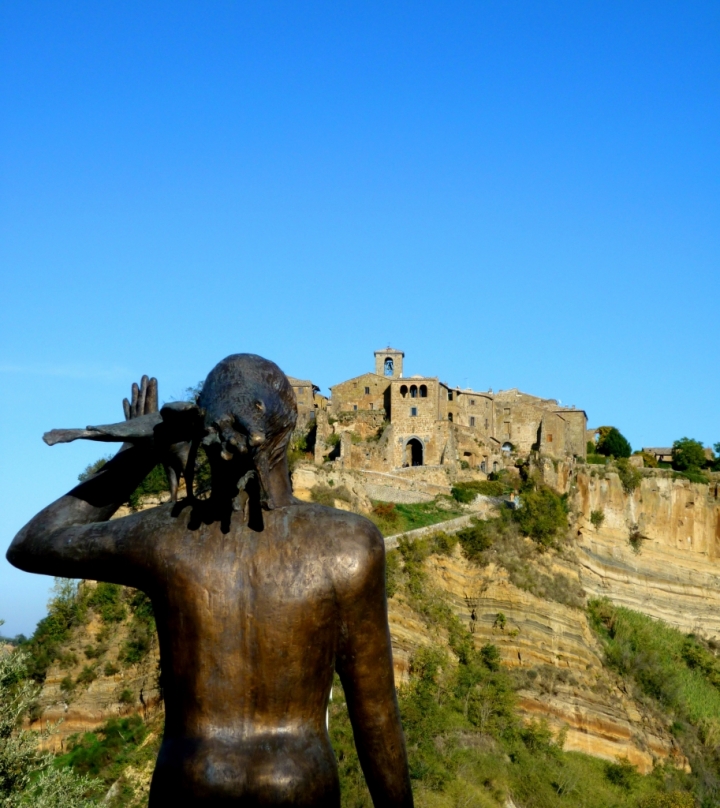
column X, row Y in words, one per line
column 669, row 571
column 556, row 651
column 118, row 689
column 657, row 550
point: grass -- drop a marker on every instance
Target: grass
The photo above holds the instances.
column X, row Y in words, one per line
column 392, row 518
column 678, row 674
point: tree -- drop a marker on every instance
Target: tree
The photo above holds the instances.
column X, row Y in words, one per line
column 612, row 443
column 20, row 759
column 688, row 454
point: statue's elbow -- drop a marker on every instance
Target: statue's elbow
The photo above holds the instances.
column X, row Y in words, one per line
column 15, row 555
column 19, row 553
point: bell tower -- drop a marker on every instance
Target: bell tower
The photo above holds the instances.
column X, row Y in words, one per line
column 389, row 362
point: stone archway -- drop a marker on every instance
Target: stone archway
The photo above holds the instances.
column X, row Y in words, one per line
column 414, row 452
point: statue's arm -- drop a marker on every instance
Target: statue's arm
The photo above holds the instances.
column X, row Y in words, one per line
column 364, row 663
column 73, row 538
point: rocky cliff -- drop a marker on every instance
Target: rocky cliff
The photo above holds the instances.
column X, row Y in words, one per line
column 657, row 549
column 655, row 552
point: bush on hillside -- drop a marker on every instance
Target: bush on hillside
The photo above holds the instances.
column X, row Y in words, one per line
column 688, row 454
column 630, row 477
column 542, row 514
column 27, row 777
column 612, row 443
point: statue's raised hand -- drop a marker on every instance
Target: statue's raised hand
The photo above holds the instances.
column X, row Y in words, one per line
column 171, row 430
column 143, row 399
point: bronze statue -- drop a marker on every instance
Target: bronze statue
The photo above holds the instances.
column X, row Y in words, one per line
column 258, row 598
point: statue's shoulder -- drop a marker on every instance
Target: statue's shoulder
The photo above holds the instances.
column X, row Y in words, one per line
column 351, row 538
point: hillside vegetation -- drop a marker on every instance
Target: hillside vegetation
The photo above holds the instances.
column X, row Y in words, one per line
column 468, row 746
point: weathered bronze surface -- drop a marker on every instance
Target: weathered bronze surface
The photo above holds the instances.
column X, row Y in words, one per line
column 258, row 598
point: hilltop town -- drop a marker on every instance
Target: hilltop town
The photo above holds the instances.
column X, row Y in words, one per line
column 384, row 421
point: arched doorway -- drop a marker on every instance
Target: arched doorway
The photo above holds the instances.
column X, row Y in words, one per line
column 414, row 450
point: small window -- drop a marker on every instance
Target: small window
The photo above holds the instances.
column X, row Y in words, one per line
column 389, row 366
column 482, row 466
column 449, row 416
column 423, row 391
column 367, row 391
column 507, row 410
column 413, row 391
column 372, row 406
column 413, row 411
column 472, row 420
column 403, row 390
column 472, row 402
column 354, row 406
column 549, row 439
column 450, row 395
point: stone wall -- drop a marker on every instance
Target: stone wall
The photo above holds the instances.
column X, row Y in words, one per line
column 366, row 392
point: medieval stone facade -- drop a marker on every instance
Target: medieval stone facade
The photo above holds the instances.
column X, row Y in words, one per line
column 384, row 421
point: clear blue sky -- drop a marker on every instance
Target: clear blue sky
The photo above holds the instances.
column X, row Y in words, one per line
column 515, row 194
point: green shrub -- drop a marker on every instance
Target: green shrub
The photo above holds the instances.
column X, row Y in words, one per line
column 649, row 460
column 104, row 753
column 323, row 495
column 692, row 474
column 612, row 443
column 155, row 483
column 542, row 514
column 392, row 572
column 107, row 600
column 477, row 538
column 87, row 675
column 622, row 774
column 66, row 611
column 126, row 697
column 442, row 543
column 630, row 477
column 688, row 454
column 93, row 468
column 333, row 439
column 597, row 518
column 596, row 459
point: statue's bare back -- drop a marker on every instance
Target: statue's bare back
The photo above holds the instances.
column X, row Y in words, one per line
column 258, row 599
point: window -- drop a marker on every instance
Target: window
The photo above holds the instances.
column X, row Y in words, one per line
column 449, row 416
column 367, row 391
column 423, row 391
column 549, row 439
column 403, row 391
column 450, row 397
column 507, row 410
column 372, row 406
column 472, row 420
column 389, row 366
column 413, row 411
column 486, row 423
column 472, row 402
column 413, row 391
column 506, row 426
column 354, row 406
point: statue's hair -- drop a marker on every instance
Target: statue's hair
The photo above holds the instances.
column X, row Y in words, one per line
column 236, row 384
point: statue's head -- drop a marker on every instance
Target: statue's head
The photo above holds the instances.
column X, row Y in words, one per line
column 249, row 411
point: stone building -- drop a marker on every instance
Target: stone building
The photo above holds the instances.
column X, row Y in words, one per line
column 426, row 422
column 309, row 400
